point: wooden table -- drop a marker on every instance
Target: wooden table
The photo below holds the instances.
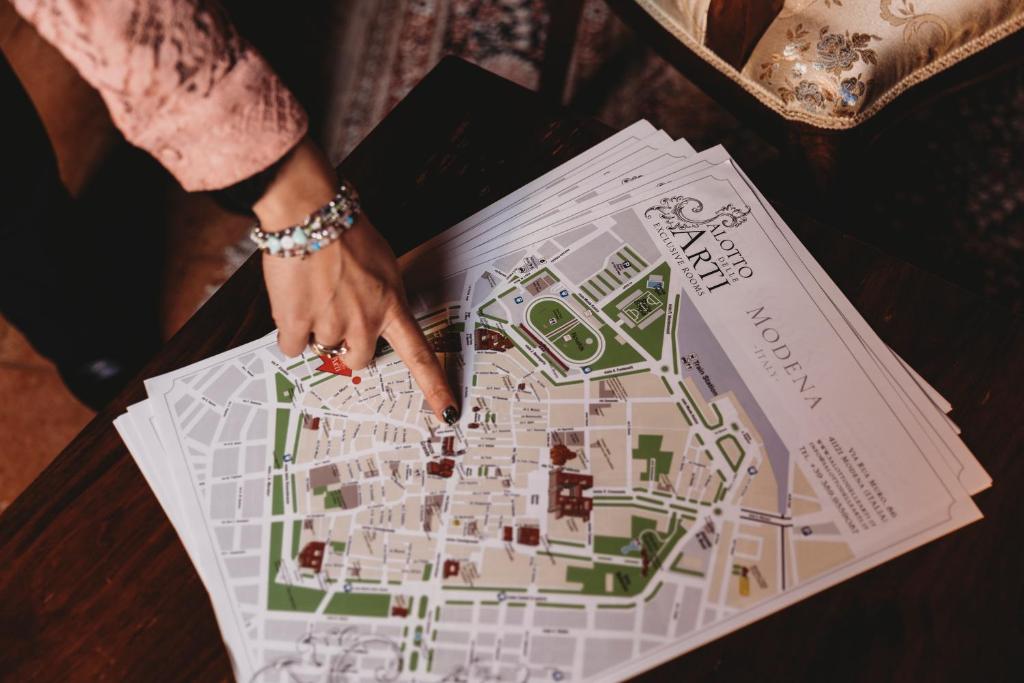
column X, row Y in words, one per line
column 94, row 583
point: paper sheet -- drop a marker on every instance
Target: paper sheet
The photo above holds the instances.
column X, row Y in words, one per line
column 656, row 447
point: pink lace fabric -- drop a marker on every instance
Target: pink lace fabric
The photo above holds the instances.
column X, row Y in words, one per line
column 179, row 82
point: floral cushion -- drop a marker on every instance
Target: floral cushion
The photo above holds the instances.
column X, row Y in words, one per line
column 834, row 63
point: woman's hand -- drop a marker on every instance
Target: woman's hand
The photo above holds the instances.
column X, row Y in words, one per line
column 349, row 291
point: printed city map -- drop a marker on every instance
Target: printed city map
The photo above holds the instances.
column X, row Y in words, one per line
column 628, row 479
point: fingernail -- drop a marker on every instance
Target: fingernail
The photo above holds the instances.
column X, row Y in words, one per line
column 450, row 415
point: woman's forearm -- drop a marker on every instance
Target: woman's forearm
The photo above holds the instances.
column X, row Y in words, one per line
column 179, row 82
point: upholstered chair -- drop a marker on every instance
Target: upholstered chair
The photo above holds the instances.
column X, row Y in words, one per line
column 825, row 77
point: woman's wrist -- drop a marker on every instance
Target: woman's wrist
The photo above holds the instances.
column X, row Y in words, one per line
column 304, row 183
column 318, row 230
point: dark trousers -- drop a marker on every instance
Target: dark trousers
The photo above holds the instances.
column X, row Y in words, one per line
column 58, row 283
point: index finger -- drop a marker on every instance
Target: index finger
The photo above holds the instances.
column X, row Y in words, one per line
column 407, row 339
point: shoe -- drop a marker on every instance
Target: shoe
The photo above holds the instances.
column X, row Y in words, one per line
column 96, row 382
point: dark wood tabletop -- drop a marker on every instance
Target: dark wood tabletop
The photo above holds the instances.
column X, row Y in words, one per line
column 95, row 585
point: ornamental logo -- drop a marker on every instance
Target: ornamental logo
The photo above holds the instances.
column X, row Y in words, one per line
column 681, row 215
column 702, row 244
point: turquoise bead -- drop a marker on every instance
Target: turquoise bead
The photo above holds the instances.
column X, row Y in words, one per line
column 299, row 237
column 273, row 245
column 315, row 246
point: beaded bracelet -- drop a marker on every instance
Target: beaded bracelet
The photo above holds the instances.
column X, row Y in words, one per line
column 319, row 229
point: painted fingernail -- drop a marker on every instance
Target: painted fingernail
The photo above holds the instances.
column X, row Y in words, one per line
column 450, row 415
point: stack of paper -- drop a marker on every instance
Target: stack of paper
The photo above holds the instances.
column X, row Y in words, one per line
column 673, row 424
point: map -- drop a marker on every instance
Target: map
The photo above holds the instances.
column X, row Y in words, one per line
column 627, row 480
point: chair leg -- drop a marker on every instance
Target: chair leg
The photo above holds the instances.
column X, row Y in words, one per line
column 829, row 158
column 562, row 28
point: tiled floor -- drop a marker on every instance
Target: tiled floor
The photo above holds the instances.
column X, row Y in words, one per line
column 39, row 416
column 201, row 253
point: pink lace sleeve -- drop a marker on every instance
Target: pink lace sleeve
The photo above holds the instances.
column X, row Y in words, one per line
column 179, row 82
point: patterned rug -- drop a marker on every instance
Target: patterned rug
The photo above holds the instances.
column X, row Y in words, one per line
column 384, row 48
column 947, row 192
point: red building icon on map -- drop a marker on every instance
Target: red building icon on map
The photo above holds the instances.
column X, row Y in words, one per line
column 312, row 556
column 565, row 494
